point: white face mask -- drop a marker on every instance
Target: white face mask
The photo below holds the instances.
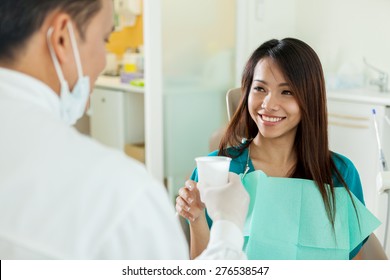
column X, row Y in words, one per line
column 72, row 104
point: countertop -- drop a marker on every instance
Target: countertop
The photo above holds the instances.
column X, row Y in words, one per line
column 361, row 95
column 114, row 83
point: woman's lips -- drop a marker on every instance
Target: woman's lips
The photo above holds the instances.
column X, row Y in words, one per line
column 271, row 119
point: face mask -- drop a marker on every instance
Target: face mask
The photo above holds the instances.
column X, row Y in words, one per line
column 72, row 104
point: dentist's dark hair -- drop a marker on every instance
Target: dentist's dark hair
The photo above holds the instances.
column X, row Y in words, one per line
column 303, row 72
column 20, row 19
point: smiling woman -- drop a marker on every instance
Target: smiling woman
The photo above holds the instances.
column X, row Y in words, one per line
column 296, row 184
column 271, row 103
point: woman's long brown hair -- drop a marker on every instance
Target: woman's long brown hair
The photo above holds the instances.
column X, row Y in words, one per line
column 302, row 69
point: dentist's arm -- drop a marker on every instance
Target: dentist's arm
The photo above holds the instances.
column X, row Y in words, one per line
column 227, row 206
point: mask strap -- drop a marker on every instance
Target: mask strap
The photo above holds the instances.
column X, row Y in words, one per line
column 54, row 57
column 75, row 49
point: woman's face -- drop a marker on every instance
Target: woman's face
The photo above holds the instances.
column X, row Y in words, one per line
column 271, row 103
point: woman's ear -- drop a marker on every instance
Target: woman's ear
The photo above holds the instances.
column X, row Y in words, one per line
column 60, row 39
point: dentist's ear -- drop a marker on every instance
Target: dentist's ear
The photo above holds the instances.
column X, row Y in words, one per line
column 59, row 37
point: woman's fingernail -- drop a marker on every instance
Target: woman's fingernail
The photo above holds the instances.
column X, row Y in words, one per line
column 190, row 200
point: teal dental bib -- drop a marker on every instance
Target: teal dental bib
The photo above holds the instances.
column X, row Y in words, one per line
column 287, row 220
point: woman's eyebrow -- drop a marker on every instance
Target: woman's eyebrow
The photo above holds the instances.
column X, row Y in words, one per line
column 264, row 82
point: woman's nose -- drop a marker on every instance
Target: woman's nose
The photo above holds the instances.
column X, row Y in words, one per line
column 270, row 103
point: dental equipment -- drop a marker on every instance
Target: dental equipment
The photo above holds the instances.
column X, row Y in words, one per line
column 383, row 179
column 387, row 120
column 382, row 80
column 382, row 158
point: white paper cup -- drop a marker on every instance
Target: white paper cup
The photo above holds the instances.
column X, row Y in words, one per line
column 213, row 170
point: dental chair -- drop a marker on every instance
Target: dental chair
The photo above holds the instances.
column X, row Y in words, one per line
column 232, row 101
column 371, row 250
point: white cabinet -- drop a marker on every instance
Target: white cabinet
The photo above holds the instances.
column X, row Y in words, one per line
column 107, row 117
column 352, row 133
column 117, row 113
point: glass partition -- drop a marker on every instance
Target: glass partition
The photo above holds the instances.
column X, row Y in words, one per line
column 198, row 39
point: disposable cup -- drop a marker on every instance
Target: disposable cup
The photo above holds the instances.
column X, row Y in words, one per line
column 213, row 170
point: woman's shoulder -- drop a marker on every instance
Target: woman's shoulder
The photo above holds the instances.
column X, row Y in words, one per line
column 239, row 158
column 349, row 173
column 213, row 153
column 342, row 163
column 236, row 153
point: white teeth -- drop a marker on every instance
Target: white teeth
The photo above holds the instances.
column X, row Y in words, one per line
column 271, row 119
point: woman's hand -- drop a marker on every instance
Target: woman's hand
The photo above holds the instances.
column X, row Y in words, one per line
column 188, row 203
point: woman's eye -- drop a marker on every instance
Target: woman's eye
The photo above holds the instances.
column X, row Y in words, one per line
column 287, row 92
column 259, row 89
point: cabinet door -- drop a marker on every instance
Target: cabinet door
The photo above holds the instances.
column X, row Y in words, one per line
column 107, row 117
column 352, row 133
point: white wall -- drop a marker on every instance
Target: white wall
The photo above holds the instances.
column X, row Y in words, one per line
column 259, row 21
column 344, row 31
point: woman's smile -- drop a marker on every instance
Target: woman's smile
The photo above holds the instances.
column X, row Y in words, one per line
column 271, row 120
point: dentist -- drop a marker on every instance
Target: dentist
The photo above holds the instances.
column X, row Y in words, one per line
column 62, row 194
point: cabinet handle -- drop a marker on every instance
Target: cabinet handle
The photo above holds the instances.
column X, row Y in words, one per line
column 348, row 117
column 361, row 126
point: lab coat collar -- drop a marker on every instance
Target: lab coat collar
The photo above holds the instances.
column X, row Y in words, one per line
column 28, row 89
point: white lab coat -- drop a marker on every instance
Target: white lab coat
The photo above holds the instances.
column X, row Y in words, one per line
column 65, row 196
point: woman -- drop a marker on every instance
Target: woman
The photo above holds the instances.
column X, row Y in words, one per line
column 283, row 115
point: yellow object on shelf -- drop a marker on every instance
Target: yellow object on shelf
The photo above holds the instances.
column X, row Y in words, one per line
column 130, row 67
